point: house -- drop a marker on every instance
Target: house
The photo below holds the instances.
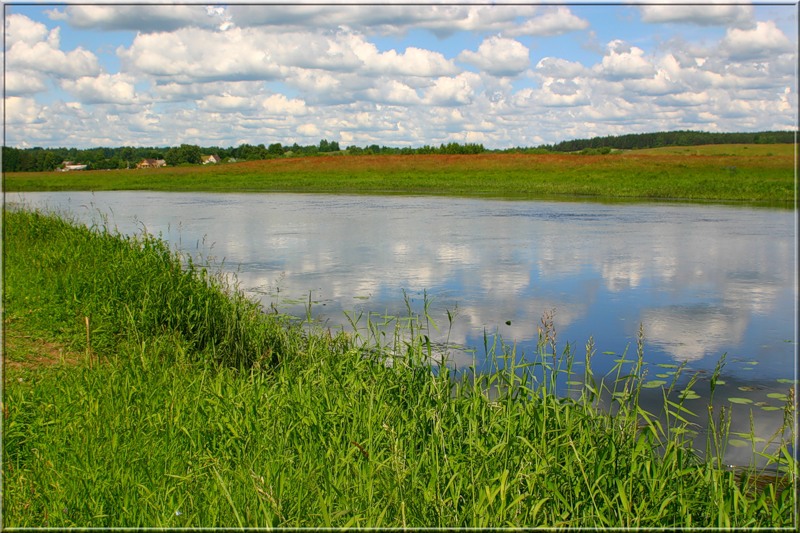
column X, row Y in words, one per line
column 206, row 159
column 151, row 163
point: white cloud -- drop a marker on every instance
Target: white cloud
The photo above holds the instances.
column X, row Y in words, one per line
column 624, row 61
column 139, row 18
column 23, row 111
column 308, row 130
column 105, row 88
column 227, row 102
column 278, row 104
column 23, row 83
column 190, row 55
column 764, row 41
column 443, row 20
column 30, row 47
column 413, row 62
column 457, row 90
column 699, row 14
column 20, row 28
column 554, row 22
column 499, row 56
column 394, row 92
column 555, row 67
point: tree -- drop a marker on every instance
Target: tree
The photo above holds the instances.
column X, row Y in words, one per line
column 185, row 153
column 126, row 154
column 190, row 153
column 325, row 146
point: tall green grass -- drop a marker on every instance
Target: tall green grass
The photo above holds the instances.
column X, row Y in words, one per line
column 178, row 418
column 94, row 288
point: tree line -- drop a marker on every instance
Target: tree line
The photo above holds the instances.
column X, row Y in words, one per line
column 636, row 141
column 46, row 159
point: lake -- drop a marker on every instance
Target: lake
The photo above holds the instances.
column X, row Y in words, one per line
column 702, row 280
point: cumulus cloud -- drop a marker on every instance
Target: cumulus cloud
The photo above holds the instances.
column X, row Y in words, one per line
column 31, row 47
column 555, row 67
column 699, row 14
column 499, row 56
column 278, row 104
column 105, row 88
column 413, row 62
column 554, row 22
column 21, row 29
column 140, row 18
column 227, row 102
column 308, row 130
column 394, row 92
column 23, row 111
column 624, row 61
column 443, row 20
column 22, row 83
column 763, row 41
column 191, row 54
column 450, row 91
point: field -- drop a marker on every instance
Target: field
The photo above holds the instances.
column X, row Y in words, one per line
column 142, row 389
column 717, row 173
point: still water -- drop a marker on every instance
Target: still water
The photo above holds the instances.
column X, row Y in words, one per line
column 702, row 280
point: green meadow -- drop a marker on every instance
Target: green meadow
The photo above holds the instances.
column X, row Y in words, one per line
column 143, row 389
column 714, row 173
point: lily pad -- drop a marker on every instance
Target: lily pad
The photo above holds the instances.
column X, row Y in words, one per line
column 778, row 396
column 662, row 375
column 579, row 383
column 738, row 443
column 784, row 380
column 654, row 383
column 689, row 395
column 770, row 408
column 740, row 400
column 746, row 388
column 609, row 353
column 721, row 382
column 667, row 365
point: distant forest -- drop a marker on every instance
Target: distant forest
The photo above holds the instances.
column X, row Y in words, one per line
column 46, row 159
column 635, row 141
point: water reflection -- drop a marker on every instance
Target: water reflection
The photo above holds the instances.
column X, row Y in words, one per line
column 703, row 280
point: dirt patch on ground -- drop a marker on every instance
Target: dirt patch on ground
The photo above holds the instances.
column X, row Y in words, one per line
column 21, row 351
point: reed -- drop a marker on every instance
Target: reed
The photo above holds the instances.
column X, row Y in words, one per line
column 184, row 422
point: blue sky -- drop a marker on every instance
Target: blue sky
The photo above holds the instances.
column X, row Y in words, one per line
column 501, row 75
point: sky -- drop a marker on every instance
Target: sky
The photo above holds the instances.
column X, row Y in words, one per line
column 109, row 74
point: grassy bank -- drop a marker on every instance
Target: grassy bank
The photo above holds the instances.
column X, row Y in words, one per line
column 178, row 403
column 720, row 173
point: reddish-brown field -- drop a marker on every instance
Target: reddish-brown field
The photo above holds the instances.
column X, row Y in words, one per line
column 715, row 173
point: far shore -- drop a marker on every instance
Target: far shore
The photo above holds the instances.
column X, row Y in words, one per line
column 713, row 173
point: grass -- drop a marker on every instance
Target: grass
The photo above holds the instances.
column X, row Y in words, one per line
column 720, row 173
column 182, row 405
